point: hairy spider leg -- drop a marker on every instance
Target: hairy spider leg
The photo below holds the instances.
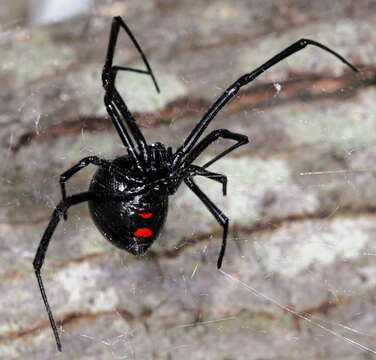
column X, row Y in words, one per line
column 65, row 176
column 113, row 100
column 210, row 138
column 58, row 212
column 245, row 79
column 221, row 218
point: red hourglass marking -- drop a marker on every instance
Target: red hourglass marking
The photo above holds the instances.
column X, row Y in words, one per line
column 143, row 232
column 146, row 215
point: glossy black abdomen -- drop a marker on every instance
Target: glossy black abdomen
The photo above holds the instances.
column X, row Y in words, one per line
column 132, row 224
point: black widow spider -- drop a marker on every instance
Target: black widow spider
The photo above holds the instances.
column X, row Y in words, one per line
column 128, row 196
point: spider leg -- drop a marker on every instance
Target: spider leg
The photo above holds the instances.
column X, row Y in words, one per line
column 124, row 136
column 64, row 177
column 113, row 100
column 197, row 170
column 233, row 89
column 118, row 23
column 58, row 212
column 210, row 138
column 218, row 215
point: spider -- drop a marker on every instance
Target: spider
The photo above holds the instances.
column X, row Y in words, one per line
column 128, row 196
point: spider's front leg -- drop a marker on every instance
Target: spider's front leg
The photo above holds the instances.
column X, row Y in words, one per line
column 64, row 177
column 221, row 218
column 115, row 105
column 245, row 79
column 110, row 71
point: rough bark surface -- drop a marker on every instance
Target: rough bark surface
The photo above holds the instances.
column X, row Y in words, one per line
column 298, row 280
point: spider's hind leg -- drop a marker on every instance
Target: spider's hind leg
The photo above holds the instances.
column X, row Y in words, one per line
column 221, row 218
column 40, row 255
column 58, row 212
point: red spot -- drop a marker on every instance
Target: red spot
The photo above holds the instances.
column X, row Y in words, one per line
column 146, row 215
column 143, row 232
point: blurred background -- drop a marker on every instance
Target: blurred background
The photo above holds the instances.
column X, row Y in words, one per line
column 298, row 280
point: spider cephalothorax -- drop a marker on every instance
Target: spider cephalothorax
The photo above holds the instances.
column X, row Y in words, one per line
column 128, row 197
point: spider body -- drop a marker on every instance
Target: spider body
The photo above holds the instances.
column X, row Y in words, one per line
column 134, row 223
column 128, row 197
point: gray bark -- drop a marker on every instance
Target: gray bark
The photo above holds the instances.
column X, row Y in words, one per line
column 298, row 277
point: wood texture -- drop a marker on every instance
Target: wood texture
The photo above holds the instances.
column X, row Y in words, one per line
column 298, row 279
